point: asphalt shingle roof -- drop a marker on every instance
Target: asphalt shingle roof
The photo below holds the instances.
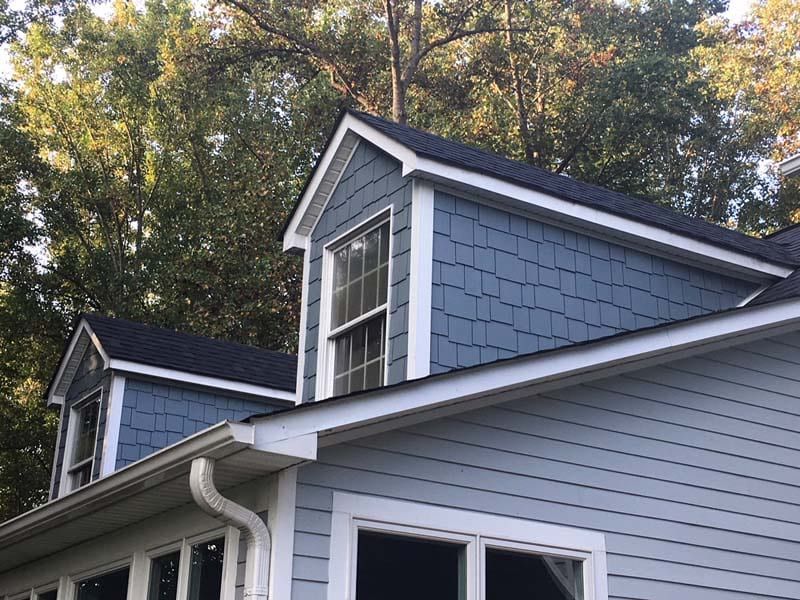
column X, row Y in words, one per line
column 136, row 342
column 454, row 153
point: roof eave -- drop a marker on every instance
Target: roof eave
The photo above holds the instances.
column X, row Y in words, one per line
column 790, row 167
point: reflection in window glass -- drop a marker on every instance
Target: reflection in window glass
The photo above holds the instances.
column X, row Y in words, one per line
column 111, row 586
column 164, row 577
column 50, row 595
column 205, row 574
column 520, row 576
column 392, row 567
column 84, row 445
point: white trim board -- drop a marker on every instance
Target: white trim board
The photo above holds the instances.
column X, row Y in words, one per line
column 475, row 530
column 421, row 281
column 355, row 416
column 113, row 422
column 79, row 342
column 228, row 385
column 631, row 231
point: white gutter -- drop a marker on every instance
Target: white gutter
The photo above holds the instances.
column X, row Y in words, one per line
column 790, row 166
column 254, row 530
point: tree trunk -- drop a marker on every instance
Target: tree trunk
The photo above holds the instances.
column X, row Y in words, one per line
column 519, row 88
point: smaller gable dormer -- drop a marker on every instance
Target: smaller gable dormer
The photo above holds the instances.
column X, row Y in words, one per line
column 127, row 390
column 488, row 258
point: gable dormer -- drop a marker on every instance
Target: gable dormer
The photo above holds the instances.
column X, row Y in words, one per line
column 487, row 259
column 127, row 390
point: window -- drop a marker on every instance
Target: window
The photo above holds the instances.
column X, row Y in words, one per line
column 48, row 595
column 204, row 573
column 359, row 288
column 109, row 586
column 83, row 425
column 385, row 549
column 164, row 577
column 392, row 567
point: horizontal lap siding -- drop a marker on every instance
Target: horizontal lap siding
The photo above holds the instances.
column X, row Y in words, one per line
column 690, row 470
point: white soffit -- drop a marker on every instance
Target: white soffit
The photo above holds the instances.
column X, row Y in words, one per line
column 79, row 342
column 518, row 197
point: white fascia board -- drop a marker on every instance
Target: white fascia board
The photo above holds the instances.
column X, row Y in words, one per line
column 85, row 499
column 201, row 380
column 64, row 375
column 636, row 232
column 294, row 239
column 559, row 368
column 790, row 166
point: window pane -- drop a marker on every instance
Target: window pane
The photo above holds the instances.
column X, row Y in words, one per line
column 370, row 291
column 364, row 344
column 384, row 243
column 371, row 251
column 383, row 280
column 520, row 576
column 354, row 300
column 51, row 595
column 111, row 586
column 205, row 575
column 85, row 432
column 164, row 577
column 403, row 568
column 82, row 476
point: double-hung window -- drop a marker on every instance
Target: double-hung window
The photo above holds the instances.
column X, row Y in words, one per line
column 84, row 419
column 359, row 289
column 191, row 572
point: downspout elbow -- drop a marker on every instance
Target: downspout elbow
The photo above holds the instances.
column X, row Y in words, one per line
column 254, row 531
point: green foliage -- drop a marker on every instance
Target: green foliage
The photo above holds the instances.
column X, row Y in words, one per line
column 148, row 161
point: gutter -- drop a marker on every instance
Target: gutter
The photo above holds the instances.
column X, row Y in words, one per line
column 791, row 166
column 254, row 530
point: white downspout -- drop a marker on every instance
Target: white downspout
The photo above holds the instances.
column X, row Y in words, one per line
column 254, row 530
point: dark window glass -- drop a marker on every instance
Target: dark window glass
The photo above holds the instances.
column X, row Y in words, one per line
column 164, row 577
column 519, row 576
column 205, row 575
column 111, row 586
column 403, row 568
column 51, row 595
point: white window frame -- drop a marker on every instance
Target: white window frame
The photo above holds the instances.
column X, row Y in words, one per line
column 326, row 342
column 184, row 547
column 66, row 484
column 74, row 579
column 43, row 589
column 352, row 513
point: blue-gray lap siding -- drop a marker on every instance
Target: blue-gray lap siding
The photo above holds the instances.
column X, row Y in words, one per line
column 159, row 414
column 370, row 183
column 89, row 377
column 689, row 469
column 505, row 285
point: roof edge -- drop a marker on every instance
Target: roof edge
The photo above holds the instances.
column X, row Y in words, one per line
column 365, row 413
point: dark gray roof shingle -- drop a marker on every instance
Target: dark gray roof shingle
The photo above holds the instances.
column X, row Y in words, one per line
column 136, row 342
column 437, row 148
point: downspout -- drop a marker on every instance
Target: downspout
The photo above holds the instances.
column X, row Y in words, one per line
column 254, row 530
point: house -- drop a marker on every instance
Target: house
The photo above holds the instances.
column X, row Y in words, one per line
column 791, row 166
column 509, row 384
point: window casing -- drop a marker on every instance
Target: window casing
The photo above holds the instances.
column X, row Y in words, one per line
column 354, row 310
column 560, row 563
column 82, row 440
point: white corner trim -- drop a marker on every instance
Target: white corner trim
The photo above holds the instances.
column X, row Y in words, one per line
column 201, row 380
column 352, row 512
column 300, row 381
column 640, row 233
column 281, row 517
column 55, row 454
column 69, row 362
column 462, row 389
column 113, row 422
column 421, row 281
